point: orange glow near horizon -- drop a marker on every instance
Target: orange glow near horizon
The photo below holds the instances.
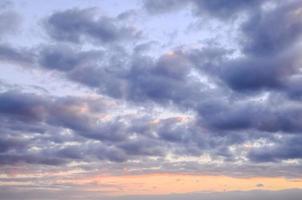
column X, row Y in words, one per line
column 159, row 184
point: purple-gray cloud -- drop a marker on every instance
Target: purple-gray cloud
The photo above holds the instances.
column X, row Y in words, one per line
column 148, row 110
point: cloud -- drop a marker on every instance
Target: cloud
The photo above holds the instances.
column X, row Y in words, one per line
column 157, row 6
column 225, row 106
column 77, row 25
column 65, row 58
column 225, row 9
column 185, row 109
column 216, row 8
column 10, row 20
column 270, row 57
column 64, row 130
column 22, row 106
column 14, row 55
column 262, row 40
column 285, row 149
column 55, row 122
column 38, row 117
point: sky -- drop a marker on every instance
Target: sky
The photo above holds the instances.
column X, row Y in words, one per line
column 150, row 99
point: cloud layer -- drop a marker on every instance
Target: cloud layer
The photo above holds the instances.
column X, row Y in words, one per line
column 206, row 108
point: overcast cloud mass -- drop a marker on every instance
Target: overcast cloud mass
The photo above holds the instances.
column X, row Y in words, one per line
column 151, row 99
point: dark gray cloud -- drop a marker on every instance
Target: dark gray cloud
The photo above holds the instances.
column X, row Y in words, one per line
column 76, row 25
column 267, row 116
column 263, row 40
column 28, row 115
column 54, row 122
column 141, row 79
column 287, row 148
column 65, row 58
column 164, row 80
column 22, row 106
column 20, row 56
column 168, row 80
column 269, row 57
column 13, row 159
column 9, row 143
column 221, row 9
column 46, row 121
column 256, row 74
column 40, row 130
column 270, row 54
column 225, row 9
column 64, row 112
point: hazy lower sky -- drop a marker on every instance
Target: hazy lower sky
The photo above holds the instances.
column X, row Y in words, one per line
column 150, row 99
